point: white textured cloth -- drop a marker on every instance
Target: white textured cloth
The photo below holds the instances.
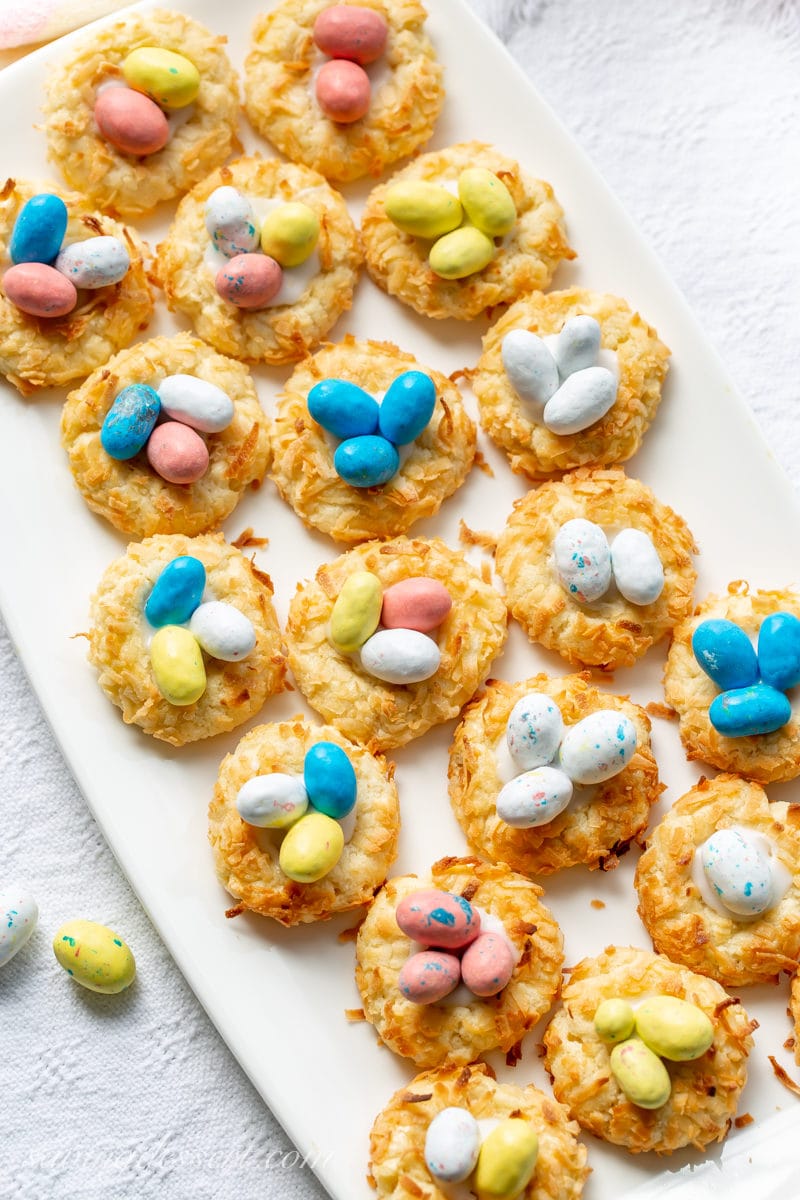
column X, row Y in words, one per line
column 689, row 109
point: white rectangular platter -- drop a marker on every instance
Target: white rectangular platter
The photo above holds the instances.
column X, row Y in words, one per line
column 326, row 1079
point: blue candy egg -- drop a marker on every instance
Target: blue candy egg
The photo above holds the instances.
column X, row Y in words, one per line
column 330, row 780
column 177, row 592
column 407, row 407
column 779, row 650
column 130, row 421
column 39, row 229
column 746, row 711
column 366, row 461
column 344, row 409
column 726, row 654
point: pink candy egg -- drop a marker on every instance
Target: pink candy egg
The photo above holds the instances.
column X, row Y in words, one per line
column 429, row 976
column 343, row 91
column 419, row 603
column 131, row 121
column 249, row 280
column 177, row 453
column 39, row 290
column 437, row 918
column 347, row 31
column 487, row 965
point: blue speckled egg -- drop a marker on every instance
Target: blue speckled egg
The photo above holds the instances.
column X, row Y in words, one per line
column 130, row 421
column 366, row 461
column 177, row 592
column 39, row 229
column 779, row 650
column 407, row 407
column 330, row 780
column 725, row 653
column 747, row 711
column 343, row 408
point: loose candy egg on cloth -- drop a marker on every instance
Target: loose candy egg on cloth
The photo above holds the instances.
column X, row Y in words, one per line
column 199, row 388
column 298, row 42
column 523, row 260
column 94, row 956
column 598, row 822
column 83, row 319
column 187, row 265
column 431, row 469
column 19, row 913
column 609, row 632
column 247, row 858
column 121, row 640
column 679, row 904
column 138, row 49
column 433, row 1033
column 385, row 714
column 768, row 757
column 431, row 1111
column 512, row 417
column 704, row 1092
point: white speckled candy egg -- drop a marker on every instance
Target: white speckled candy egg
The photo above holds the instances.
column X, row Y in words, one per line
column 196, row 402
column 452, row 1144
column 598, row 747
column 582, row 560
column 738, row 871
column 231, row 222
column 531, row 369
column 638, row 572
column 272, row 801
column 18, row 916
column 534, row 731
column 400, row 656
column 223, row 631
column 94, row 263
column 534, row 798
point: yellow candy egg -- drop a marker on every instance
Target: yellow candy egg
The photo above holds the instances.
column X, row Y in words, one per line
column 166, row 77
column 311, row 848
column 178, row 667
column 357, row 611
column 507, row 1160
column 290, row 234
column 614, row 1020
column 461, row 253
column 95, row 956
column 641, row 1074
column 674, row 1028
column 424, row 210
column 487, row 201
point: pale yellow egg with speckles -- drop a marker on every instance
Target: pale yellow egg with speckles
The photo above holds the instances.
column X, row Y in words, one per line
column 95, row 956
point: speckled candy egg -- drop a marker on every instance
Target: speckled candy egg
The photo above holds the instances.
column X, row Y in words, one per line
column 452, row 1144
column 738, row 871
column 429, row 976
column 95, row 262
column 273, row 801
column 534, row 730
column 437, row 918
column 598, row 747
column 249, row 280
column 18, row 916
column 400, row 656
column 582, row 560
column 95, row 956
column 534, row 798
column 487, row 965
